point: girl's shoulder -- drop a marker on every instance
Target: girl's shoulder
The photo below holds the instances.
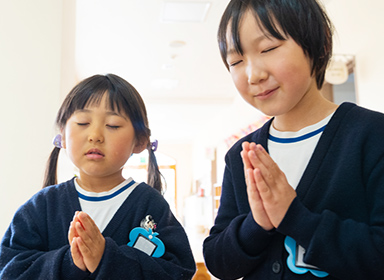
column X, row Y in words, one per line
column 56, row 201
column 144, row 192
column 350, row 116
column 57, row 190
column 51, row 195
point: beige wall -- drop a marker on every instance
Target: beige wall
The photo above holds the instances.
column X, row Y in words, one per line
column 30, row 55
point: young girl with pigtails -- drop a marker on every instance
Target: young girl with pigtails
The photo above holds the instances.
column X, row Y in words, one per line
column 98, row 225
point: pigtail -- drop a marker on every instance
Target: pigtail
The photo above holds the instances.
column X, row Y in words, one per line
column 50, row 177
column 154, row 174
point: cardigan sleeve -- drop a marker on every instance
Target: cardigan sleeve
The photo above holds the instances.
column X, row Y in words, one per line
column 345, row 248
column 124, row 262
column 236, row 244
column 24, row 253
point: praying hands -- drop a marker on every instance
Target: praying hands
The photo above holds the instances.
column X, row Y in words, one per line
column 86, row 241
column 269, row 194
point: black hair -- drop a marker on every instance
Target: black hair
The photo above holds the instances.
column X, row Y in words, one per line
column 122, row 97
column 305, row 21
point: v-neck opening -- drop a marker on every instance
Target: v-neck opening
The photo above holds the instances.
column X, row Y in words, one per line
column 321, row 148
column 124, row 208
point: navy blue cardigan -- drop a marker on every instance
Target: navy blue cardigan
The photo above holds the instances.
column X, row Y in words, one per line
column 35, row 246
column 337, row 216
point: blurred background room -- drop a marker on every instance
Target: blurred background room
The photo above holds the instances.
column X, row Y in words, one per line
column 167, row 49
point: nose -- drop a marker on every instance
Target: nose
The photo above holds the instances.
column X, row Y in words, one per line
column 96, row 135
column 256, row 72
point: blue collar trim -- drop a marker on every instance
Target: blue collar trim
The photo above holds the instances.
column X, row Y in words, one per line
column 296, row 139
column 106, row 197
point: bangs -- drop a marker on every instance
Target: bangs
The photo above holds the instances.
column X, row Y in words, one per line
column 123, row 99
column 90, row 93
column 305, row 21
column 232, row 19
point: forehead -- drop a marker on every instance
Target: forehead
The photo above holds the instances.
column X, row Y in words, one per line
column 246, row 22
column 105, row 100
column 101, row 102
column 248, row 26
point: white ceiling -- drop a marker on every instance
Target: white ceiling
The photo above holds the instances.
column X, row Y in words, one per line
column 182, row 86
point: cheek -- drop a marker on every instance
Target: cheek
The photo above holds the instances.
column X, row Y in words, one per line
column 293, row 75
column 240, row 82
column 72, row 150
column 123, row 148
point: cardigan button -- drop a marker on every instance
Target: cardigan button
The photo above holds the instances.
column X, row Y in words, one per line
column 276, row 267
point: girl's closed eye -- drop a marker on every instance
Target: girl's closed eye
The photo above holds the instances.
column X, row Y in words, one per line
column 113, row 126
column 269, row 49
column 234, row 63
column 82, row 123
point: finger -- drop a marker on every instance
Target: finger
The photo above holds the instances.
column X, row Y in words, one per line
column 269, row 169
column 92, row 253
column 254, row 160
column 265, row 158
column 77, row 256
column 252, row 189
column 82, row 246
column 276, row 199
column 256, row 204
column 252, row 146
column 86, row 221
column 80, row 231
column 262, row 186
column 90, row 235
column 244, row 155
column 71, row 232
column 245, row 145
column 246, row 162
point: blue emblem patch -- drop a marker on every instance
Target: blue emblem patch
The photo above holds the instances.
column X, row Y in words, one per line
column 295, row 259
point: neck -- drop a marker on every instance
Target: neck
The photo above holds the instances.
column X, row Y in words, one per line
column 99, row 184
column 311, row 110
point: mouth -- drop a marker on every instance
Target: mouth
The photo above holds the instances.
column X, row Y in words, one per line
column 94, row 154
column 266, row 94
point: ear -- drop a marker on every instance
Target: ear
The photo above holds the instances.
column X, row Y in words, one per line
column 63, row 140
column 139, row 147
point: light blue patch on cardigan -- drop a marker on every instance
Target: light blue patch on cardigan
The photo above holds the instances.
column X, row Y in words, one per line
column 291, row 247
column 146, row 241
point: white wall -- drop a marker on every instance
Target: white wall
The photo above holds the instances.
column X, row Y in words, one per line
column 30, row 36
column 182, row 153
column 359, row 27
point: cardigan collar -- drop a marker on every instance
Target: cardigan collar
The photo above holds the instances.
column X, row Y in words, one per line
column 320, row 151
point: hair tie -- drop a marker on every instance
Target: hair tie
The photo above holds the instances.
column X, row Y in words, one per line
column 57, row 141
column 154, row 145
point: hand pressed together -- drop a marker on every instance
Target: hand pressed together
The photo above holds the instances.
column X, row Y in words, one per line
column 86, row 241
column 269, row 193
